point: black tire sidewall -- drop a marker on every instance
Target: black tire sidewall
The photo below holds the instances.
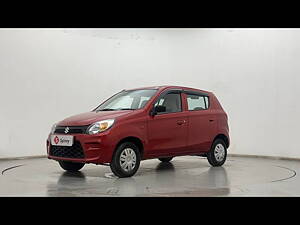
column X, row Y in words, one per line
column 211, row 156
column 115, row 163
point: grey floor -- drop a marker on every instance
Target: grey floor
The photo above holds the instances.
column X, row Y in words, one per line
column 184, row 176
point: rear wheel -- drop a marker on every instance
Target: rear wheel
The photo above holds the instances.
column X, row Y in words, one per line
column 126, row 160
column 218, row 153
column 70, row 166
column 168, row 159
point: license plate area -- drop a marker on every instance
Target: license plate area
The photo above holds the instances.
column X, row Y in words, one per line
column 62, row 140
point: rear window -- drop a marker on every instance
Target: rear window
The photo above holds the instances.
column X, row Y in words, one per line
column 197, row 102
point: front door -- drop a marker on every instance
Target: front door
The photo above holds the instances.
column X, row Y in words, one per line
column 167, row 131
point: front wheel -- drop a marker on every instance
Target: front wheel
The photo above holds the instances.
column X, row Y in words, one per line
column 70, row 166
column 126, row 160
column 218, row 153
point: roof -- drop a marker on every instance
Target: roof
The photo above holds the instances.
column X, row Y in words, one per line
column 162, row 87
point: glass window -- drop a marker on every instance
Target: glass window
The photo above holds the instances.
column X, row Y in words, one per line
column 127, row 100
column 143, row 101
column 197, row 102
column 121, row 103
column 171, row 101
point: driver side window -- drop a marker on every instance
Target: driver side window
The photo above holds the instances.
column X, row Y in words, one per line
column 171, row 101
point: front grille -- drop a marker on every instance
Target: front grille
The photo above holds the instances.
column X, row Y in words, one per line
column 71, row 130
column 74, row 151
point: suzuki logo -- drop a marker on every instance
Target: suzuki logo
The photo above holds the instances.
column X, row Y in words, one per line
column 56, row 140
column 67, row 130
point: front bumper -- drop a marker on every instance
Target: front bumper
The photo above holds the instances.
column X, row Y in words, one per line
column 95, row 149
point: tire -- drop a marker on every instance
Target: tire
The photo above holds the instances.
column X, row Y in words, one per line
column 70, row 166
column 218, row 153
column 168, row 159
column 119, row 164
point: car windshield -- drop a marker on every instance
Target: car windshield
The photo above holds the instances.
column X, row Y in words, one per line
column 127, row 100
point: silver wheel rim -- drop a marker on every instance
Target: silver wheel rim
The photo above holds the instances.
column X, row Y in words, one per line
column 219, row 152
column 128, row 159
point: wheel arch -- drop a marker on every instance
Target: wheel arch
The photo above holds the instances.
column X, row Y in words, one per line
column 137, row 141
column 224, row 138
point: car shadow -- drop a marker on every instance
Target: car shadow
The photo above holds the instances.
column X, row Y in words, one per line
column 164, row 180
column 73, row 177
column 67, row 184
column 165, row 166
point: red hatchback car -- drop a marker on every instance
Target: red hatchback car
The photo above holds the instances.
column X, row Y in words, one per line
column 133, row 125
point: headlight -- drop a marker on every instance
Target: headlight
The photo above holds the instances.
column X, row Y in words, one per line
column 100, row 126
column 53, row 128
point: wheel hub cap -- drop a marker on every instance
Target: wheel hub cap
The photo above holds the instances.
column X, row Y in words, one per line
column 128, row 159
column 219, row 152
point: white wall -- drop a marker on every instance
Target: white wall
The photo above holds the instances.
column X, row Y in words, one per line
column 49, row 74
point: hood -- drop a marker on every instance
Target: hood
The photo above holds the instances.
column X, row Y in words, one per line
column 91, row 117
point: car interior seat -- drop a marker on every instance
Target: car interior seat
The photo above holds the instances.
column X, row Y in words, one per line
column 172, row 103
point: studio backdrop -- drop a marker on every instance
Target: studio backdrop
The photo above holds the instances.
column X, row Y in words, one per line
column 49, row 74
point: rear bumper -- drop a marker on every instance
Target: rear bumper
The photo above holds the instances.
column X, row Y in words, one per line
column 96, row 149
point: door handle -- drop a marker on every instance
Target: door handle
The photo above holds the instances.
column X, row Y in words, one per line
column 211, row 120
column 180, row 122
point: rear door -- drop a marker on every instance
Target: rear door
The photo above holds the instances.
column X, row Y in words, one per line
column 202, row 122
column 167, row 131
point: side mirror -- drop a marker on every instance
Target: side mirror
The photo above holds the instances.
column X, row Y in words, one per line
column 158, row 109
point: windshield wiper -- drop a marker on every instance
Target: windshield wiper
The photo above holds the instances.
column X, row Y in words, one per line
column 106, row 110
